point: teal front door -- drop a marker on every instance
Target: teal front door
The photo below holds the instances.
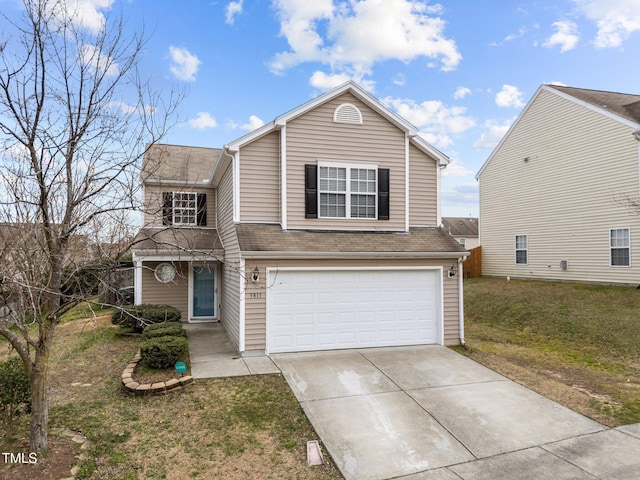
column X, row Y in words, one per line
column 203, row 293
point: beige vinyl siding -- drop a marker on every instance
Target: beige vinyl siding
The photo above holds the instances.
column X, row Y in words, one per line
column 153, row 203
column 230, row 301
column 423, row 189
column 175, row 293
column 313, row 137
column 565, row 198
column 256, row 293
column 260, row 180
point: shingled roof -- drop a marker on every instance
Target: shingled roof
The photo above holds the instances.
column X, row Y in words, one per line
column 625, row 105
column 419, row 241
column 460, row 226
column 179, row 163
column 189, row 240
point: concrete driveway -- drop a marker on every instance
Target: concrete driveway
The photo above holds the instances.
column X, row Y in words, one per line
column 428, row 413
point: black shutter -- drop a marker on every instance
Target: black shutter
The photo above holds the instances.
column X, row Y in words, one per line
column 311, row 191
column 383, row 194
column 167, row 208
column 201, row 212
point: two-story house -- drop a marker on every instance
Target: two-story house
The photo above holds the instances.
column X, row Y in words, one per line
column 557, row 194
column 319, row 230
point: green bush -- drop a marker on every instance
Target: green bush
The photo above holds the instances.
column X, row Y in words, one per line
column 15, row 392
column 138, row 317
column 167, row 329
column 163, row 352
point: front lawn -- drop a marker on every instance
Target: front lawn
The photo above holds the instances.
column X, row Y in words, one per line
column 576, row 344
column 232, row 428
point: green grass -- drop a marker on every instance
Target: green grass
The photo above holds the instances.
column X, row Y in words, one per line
column 241, row 427
column 587, row 334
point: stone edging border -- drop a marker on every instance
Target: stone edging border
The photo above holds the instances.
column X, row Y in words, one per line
column 158, row 388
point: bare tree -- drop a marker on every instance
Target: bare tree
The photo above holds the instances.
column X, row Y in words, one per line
column 75, row 120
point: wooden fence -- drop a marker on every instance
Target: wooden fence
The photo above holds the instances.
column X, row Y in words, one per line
column 472, row 267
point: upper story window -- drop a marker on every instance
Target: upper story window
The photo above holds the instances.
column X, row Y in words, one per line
column 184, row 209
column 522, row 250
column 347, row 192
column 619, row 246
column 462, row 241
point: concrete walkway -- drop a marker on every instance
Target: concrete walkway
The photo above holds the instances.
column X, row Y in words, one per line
column 428, row 413
column 212, row 355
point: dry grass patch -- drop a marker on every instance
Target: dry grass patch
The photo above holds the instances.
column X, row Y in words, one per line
column 242, row 427
column 576, row 344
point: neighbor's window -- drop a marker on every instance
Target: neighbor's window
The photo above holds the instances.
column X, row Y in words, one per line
column 462, row 241
column 521, row 250
column 348, row 192
column 184, row 208
column 620, row 247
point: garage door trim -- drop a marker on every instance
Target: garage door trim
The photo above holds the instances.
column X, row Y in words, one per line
column 270, row 271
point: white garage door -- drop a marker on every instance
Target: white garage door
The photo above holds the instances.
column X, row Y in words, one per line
column 331, row 309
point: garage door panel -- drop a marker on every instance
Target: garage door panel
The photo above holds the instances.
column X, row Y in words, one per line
column 331, row 309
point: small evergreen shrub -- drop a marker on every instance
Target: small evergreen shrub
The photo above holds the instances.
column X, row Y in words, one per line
column 15, row 392
column 167, row 329
column 138, row 317
column 163, row 352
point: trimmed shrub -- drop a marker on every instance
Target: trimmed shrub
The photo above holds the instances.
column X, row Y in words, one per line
column 137, row 317
column 167, row 329
column 163, row 352
column 15, row 392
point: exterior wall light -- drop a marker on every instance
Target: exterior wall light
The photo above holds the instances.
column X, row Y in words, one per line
column 255, row 275
column 452, row 271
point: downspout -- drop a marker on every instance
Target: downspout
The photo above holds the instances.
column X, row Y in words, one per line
column 461, row 298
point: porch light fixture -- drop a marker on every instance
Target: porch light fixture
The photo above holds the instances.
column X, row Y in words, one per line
column 452, row 271
column 255, row 275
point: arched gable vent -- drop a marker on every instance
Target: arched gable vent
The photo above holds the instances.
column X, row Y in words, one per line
column 347, row 113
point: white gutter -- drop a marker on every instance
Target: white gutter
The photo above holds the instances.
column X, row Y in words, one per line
column 461, row 299
column 341, row 255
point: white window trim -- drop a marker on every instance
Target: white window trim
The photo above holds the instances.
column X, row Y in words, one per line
column 516, row 249
column 628, row 247
column 348, row 193
column 173, row 209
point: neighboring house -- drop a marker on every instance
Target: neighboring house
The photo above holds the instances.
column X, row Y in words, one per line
column 556, row 194
column 317, row 231
column 463, row 229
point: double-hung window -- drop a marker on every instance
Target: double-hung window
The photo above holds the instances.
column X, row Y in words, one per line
column 347, row 191
column 184, row 208
column 522, row 250
column 619, row 246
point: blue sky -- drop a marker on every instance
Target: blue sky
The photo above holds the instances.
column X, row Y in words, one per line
column 460, row 70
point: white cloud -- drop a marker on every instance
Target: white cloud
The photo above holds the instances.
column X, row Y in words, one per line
column 325, row 81
column 254, row 122
column 400, row 79
column 91, row 56
column 494, row 132
column 615, row 19
column 456, row 169
column 509, row 96
column 461, row 92
column 354, row 35
column 184, row 64
column 233, row 9
column 202, row 121
column 435, row 120
column 82, row 13
column 566, row 36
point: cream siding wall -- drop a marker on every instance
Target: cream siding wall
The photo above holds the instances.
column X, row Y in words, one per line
column 153, row 203
column 314, row 137
column 581, row 166
column 256, row 293
column 260, row 185
column 230, row 301
column 175, row 293
column 423, row 189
